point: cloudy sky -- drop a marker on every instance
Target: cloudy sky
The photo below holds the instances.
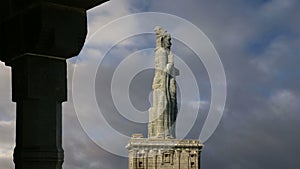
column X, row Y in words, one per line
column 258, row 45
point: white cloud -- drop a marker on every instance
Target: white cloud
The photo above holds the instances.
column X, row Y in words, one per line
column 284, row 103
column 277, row 56
column 103, row 14
column 7, row 132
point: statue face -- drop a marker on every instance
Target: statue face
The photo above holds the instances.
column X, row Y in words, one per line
column 167, row 41
column 163, row 37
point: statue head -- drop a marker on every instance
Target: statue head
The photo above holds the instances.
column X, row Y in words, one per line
column 163, row 38
column 158, row 30
column 167, row 41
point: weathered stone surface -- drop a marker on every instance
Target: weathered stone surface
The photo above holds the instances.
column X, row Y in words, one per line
column 164, row 153
column 164, row 109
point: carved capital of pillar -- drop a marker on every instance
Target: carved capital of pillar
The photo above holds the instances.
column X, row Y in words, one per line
column 39, row 77
column 43, row 29
column 154, row 151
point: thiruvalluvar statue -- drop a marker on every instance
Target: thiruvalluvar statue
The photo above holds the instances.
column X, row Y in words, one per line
column 163, row 113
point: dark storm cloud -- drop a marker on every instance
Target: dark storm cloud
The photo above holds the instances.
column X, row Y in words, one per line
column 252, row 134
column 257, row 137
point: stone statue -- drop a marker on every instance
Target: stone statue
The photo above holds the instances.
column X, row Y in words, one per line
column 163, row 112
column 161, row 149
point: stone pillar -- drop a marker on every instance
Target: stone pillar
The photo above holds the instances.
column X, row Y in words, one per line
column 135, row 158
column 155, row 158
column 199, row 159
column 188, row 158
column 39, row 118
column 172, row 152
column 36, row 38
column 178, row 157
column 161, row 153
column 147, row 158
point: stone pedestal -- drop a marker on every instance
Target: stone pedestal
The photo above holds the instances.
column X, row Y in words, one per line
column 147, row 153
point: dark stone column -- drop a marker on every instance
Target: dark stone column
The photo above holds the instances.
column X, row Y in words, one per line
column 39, row 88
column 36, row 38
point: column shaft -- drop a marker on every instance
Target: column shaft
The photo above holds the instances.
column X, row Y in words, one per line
column 39, row 88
